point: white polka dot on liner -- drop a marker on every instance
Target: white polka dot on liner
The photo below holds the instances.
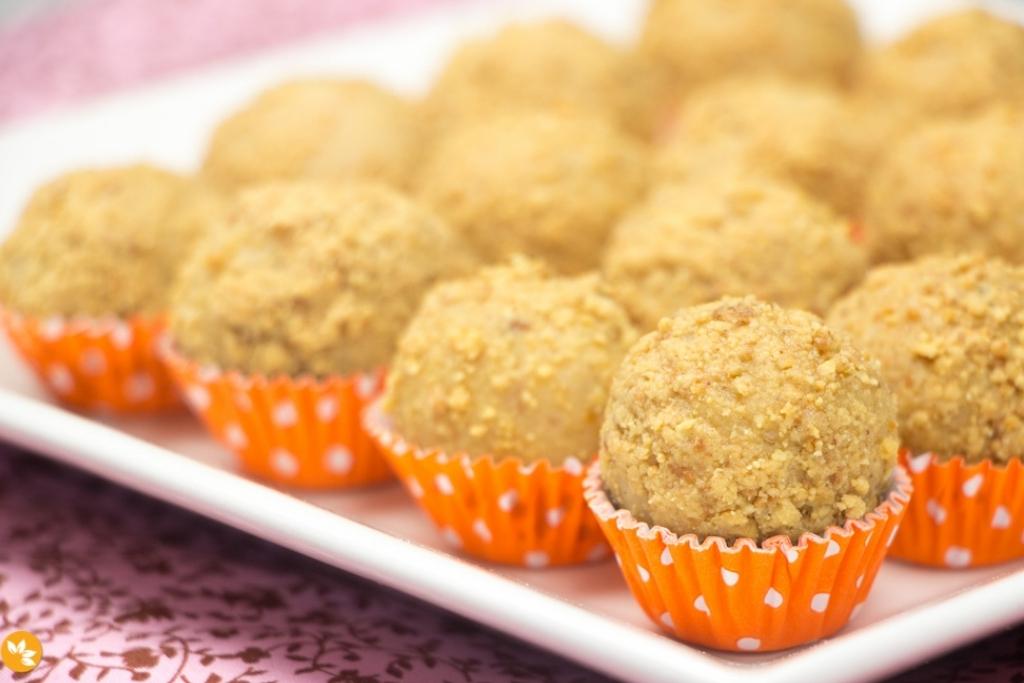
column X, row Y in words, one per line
column 773, row 598
column 414, row 488
column 93, row 362
column 701, row 605
column 60, row 379
column 51, row 329
column 1001, row 518
column 645, row 575
column 235, row 437
column 957, row 557
column 451, row 536
column 122, row 336
column 748, row 644
column 554, row 516
column 326, row 408
column 366, row 385
column 285, row 414
column 198, row 397
column 444, row 484
column 338, row 459
column 139, row 387
column 666, row 557
column 920, row 463
column 729, row 577
column 819, row 603
column 972, row 486
column 284, row 462
column 792, row 555
column 508, row 500
column 859, row 581
column 666, row 619
column 935, row 511
column 482, row 531
column 535, row 559
column 856, row 610
column 208, row 373
column 573, row 466
column 832, row 549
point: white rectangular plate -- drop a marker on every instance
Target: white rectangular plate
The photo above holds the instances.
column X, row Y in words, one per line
column 583, row 613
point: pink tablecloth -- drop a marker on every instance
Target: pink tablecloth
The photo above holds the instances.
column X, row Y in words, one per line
column 92, row 46
column 121, row 588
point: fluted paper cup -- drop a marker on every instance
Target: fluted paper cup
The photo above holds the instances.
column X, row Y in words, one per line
column 96, row 364
column 302, row 432
column 962, row 515
column 500, row 510
column 746, row 596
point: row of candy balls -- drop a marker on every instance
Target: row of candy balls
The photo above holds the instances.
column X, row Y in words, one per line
column 532, row 163
column 734, row 418
column 322, row 278
column 792, row 93
column 113, row 241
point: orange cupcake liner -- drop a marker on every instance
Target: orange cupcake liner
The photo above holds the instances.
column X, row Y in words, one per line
column 300, row 432
column 962, row 515
column 505, row 511
column 96, row 364
column 745, row 596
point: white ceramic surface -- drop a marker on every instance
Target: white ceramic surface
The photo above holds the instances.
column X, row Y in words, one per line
column 583, row 613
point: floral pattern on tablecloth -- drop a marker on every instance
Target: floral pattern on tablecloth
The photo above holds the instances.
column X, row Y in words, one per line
column 119, row 588
column 123, row 588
